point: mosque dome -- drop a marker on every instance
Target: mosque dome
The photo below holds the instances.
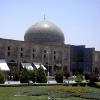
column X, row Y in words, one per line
column 44, row 32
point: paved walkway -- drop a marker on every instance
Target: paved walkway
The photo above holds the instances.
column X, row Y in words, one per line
column 50, row 81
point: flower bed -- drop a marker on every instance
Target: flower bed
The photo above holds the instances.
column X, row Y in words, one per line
column 81, row 92
column 70, row 89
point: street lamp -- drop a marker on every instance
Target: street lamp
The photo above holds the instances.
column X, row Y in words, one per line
column 48, row 62
column 48, row 65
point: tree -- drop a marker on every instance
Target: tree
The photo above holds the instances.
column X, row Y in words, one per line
column 32, row 75
column 94, row 78
column 24, row 77
column 15, row 75
column 87, row 76
column 79, row 78
column 2, row 77
column 59, row 76
column 41, row 75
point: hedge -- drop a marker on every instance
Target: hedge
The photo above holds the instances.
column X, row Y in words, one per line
column 2, row 77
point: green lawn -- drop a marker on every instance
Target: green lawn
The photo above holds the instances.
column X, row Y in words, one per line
column 70, row 98
column 11, row 93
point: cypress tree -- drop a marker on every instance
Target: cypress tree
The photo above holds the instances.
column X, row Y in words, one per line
column 41, row 75
column 2, row 77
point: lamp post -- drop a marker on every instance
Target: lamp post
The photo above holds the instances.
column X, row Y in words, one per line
column 48, row 65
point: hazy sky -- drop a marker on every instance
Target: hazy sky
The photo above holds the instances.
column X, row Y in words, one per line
column 78, row 19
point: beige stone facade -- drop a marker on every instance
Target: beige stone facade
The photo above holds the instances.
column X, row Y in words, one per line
column 97, row 61
column 17, row 52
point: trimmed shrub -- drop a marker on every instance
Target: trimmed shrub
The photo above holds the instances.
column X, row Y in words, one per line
column 65, row 84
column 95, row 84
column 91, row 84
column 82, row 84
column 59, row 76
column 79, row 78
column 74, row 84
column 24, row 77
column 41, row 75
column 2, row 77
column 32, row 75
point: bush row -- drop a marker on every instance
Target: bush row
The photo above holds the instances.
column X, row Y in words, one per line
column 78, row 84
column 2, row 77
column 37, row 75
column 95, row 84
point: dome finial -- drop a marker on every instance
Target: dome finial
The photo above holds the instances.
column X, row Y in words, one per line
column 44, row 17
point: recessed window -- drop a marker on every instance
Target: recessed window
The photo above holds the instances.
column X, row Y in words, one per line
column 44, row 56
column 34, row 50
column 33, row 56
column 8, row 47
column 45, row 51
column 21, row 55
column 21, row 49
column 54, row 52
column 8, row 53
column 54, row 57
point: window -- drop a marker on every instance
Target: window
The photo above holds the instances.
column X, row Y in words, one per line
column 21, row 55
column 44, row 56
column 34, row 50
column 8, row 47
column 54, row 57
column 21, row 49
column 54, row 52
column 45, row 51
column 33, row 56
column 8, row 53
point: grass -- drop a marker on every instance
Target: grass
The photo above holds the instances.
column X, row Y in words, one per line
column 70, row 98
column 11, row 93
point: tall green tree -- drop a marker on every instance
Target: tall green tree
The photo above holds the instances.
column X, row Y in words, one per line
column 32, row 75
column 59, row 76
column 24, row 77
column 41, row 75
column 2, row 77
column 79, row 78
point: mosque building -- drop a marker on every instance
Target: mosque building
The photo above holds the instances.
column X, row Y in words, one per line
column 44, row 44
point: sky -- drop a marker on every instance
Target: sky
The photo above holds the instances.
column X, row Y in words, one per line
column 78, row 19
